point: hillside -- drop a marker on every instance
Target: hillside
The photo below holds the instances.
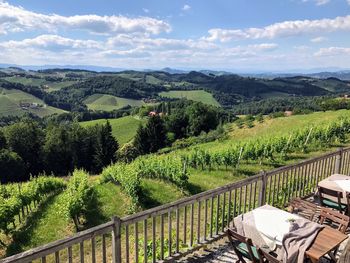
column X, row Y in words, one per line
column 81, row 90
column 41, row 82
column 124, row 129
column 17, row 102
column 109, row 102
column 195, row 95
column 47, row 225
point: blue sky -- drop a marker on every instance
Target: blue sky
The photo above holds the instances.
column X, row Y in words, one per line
column 232, row 35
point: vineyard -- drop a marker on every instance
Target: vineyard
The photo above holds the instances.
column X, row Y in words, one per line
column 16, row 200
column 173, row 169
column 125, row 188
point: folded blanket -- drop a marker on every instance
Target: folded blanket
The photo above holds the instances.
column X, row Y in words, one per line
column 345, row 256
column 300, row 237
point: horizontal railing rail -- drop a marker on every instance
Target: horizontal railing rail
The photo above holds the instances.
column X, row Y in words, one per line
column 170, row 231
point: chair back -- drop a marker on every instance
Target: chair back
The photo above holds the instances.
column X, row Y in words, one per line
column 267, row 256
column 304, row 208
column 333, row 193
column 236, row 238
column 342, row 221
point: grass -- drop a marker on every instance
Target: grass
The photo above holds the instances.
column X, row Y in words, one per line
column 124, row 129
column 105, row 102
column 10, row 104
column 195, row 95
column 155, row 192
column 46, row 224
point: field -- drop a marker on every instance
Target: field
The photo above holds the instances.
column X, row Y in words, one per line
column 196, row 95
column 10, row 104
column 124, row 129
column 46, row 225
column 105, row 102
column 51, row 85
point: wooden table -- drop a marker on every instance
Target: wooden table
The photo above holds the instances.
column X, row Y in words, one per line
column 252, row 225
column 326, row 241
column 331, row 183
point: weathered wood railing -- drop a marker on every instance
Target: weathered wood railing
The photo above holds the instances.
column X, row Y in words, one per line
column 170, row 231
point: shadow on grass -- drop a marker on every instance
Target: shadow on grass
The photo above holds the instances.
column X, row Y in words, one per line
column 94, row 215
column 22, row 236
column 193, row 189
column 146, row 199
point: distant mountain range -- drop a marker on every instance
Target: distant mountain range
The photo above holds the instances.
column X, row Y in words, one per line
column 322, row 73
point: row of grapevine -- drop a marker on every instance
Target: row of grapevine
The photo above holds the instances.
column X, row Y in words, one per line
column 15, row 197
column 128, row 176
column 169, row 169
column 269, row 148
column 77, row 197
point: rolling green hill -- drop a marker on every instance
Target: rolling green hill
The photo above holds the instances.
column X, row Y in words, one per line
column 41, row 82
column 108, row 102
column 124, row 129
column 196, row 95
column 11, row 100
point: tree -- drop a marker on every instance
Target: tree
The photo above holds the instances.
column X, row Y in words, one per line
column 140, row 140
column 106, row 146
column 12, row 168
column 127, row 153
column 156, row 133
column 83, row 142
column 58, row 151
column 152, row 137
column 3, row 143
column 26, row 139
column 201, row 118
column 177, row 123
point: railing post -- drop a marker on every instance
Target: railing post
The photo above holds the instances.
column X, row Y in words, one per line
column 338, row 161
column 262, row 194
column 116, row 240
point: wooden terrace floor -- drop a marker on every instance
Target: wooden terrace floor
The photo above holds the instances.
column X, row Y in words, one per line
column 221, row 251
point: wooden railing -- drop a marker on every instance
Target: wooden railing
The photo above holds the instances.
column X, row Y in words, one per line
column 171, row 231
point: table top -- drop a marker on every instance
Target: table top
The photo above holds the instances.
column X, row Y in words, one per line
column 326, row 240
column 337, row 182
column 271, row 223
column 266, row 225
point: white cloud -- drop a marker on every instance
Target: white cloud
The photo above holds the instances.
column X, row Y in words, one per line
column 125, row 49
column 145, row 10
column 322, row 2
column 318, row 2
column 15, row 19
column 318, row 39
column 52, row 42
column 348, row 2
column 129, row 41
column 282, row 29
column 333, row 51
column 186, row 7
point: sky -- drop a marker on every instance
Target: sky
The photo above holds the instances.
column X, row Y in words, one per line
column 239, row 35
